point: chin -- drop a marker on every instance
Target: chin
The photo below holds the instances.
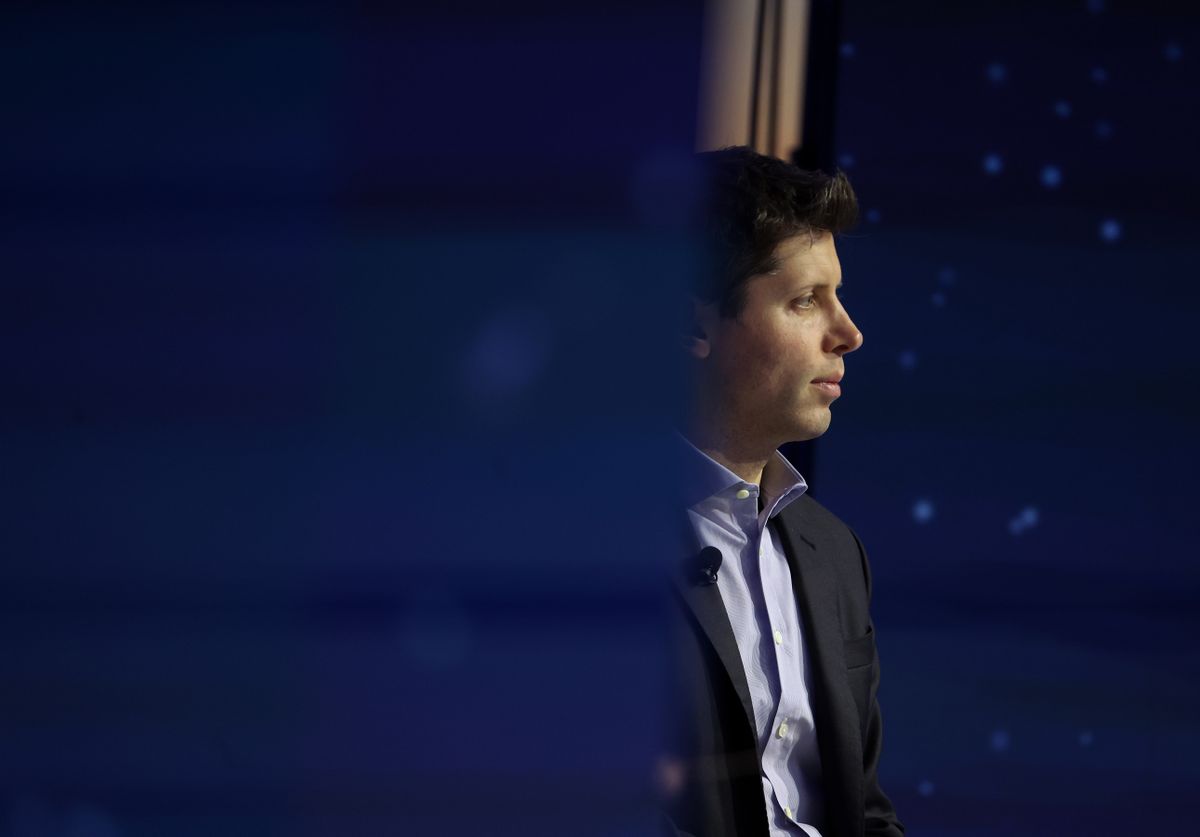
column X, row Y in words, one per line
column 809, row 436
column 809, row 430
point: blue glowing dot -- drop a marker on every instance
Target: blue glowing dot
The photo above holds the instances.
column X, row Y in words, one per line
column 1086, row 738
column 992, row 164
column 1051, row 177
column 997, row 73
column 1095, row 6
column 1029, row 515
column 1099, row 75
column 1110, row 230
column 947, row 276
column 908, row 360
column 846, row 161
column 1000, row 741
column 938, row 299
column 922, row 511
column 925, row 788
column 1063, row 108
column 1173, row 52
column 873, row 216
column 1104, row 129
column 848, row 50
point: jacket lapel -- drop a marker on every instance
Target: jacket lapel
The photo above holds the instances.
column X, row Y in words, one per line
column 838, row 736
column 706, row 605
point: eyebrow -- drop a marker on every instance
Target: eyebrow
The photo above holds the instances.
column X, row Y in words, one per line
column 809, row 285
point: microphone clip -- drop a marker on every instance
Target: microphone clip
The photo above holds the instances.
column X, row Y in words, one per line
column 708, row 562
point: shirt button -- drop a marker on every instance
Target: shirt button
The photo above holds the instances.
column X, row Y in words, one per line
column 778, row 638
column 742, row 494
column 782, row 730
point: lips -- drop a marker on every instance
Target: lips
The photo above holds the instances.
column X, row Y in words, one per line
column 830, row 385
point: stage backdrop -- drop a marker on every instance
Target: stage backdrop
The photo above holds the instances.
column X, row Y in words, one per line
column 1016, row 443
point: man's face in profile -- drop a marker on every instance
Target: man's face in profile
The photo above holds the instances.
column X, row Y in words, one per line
column 757, row 371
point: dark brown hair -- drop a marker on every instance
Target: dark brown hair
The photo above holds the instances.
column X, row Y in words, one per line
column 754, row 203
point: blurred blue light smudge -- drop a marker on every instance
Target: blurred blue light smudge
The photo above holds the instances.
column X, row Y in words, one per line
column 508, row 354
column 86, row 821
column 922, row 511
column 435, row 630
column 1027, row 519
column 666, row 188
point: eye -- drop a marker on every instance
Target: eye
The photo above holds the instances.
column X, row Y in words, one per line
column 806, row 301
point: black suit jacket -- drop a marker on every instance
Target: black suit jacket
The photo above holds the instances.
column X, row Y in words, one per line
column 717, row 791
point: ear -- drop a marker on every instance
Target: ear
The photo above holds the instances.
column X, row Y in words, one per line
column 698, row 340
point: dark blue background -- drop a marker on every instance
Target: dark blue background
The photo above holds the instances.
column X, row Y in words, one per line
column 334, row 365
column 333, row 378
column 1016, row 442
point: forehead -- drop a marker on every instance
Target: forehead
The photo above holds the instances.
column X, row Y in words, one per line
column 807, row 260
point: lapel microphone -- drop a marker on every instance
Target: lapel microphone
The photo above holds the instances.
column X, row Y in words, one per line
column 707, row 564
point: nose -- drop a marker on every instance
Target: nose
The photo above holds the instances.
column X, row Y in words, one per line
column 844, row 335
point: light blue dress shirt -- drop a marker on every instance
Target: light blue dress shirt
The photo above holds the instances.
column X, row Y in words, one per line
column 756, row 588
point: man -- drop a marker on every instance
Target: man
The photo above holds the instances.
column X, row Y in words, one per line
column 779, row 726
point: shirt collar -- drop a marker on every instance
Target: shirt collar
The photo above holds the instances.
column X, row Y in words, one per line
column 705, row 479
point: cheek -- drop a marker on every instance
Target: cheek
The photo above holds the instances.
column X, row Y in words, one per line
column 778, row 344
column 788, row 368
column 763, row 364
column 766, row 358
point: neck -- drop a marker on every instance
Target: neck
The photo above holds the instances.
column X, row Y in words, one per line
column 745, row 460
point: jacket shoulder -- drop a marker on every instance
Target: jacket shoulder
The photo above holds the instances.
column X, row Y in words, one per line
column 834, row 538
column 810, row 514
column 817, row 512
